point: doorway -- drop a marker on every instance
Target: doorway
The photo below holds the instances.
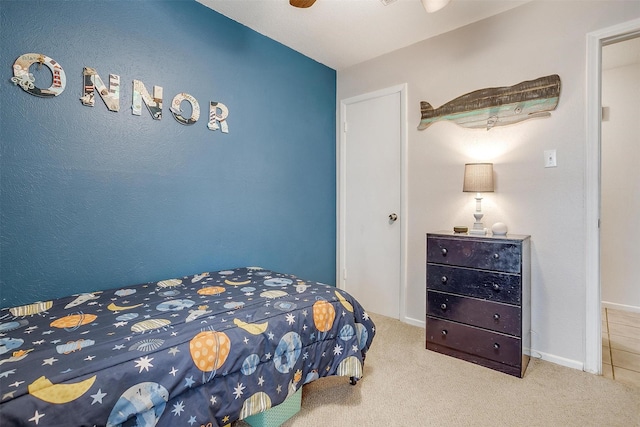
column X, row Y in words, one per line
column 619, row 207
column 593, row 317
column 371, row 211
column 619, row 157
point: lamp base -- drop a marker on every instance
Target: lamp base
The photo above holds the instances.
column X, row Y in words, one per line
column 481, row 232
column 478, row 228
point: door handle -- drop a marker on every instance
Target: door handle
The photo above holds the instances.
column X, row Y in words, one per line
column 393, row 217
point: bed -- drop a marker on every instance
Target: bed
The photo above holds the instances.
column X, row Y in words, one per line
column 201, row 350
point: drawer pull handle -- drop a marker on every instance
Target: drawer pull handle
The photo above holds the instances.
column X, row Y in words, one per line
column 496, row 345
column 496, row 287
column 496, row 256
column 444, row 279
column 496, row 316
column 443, row 306
column 444, row 251
column 444, row 332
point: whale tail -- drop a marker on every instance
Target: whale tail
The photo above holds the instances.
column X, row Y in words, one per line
column 427, row 115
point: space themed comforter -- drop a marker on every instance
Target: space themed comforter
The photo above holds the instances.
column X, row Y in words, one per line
column 202, row 350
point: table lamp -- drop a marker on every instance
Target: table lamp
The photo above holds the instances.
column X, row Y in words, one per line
column 478, row 178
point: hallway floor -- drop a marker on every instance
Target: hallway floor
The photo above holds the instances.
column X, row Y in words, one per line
column 621, row 346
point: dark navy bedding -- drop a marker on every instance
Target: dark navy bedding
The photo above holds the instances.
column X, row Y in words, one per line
column 202, row 350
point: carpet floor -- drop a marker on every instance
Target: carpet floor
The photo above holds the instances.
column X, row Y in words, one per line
column 406, row 385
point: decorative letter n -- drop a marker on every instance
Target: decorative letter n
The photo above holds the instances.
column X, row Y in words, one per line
column 154, row 105
column 92, row 82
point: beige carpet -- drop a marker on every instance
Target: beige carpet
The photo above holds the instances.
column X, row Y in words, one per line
column 406, row 385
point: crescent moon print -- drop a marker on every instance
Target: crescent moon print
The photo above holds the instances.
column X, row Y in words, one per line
column 114, row 307
column 346, row 304
column 43, row 389
column 232, row 283
column 252, row 328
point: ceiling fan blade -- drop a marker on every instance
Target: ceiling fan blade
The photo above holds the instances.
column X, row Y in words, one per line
column 302, row 3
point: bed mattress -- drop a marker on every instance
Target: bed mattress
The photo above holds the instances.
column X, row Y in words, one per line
column 205, row 349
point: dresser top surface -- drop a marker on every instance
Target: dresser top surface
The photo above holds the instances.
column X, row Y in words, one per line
column 445, row 233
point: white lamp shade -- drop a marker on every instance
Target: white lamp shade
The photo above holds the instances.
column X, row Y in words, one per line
column 478, row 178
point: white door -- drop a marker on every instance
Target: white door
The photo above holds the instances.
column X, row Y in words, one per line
column 370, row 200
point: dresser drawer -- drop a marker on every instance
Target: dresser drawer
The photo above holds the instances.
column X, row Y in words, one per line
column 478, row 342
column 484, row 314
column 465, row 252
column 497, row 287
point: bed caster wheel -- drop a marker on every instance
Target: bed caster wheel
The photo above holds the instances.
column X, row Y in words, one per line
column 353, row 380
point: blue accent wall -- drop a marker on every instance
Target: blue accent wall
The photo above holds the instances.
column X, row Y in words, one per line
column 92, row 199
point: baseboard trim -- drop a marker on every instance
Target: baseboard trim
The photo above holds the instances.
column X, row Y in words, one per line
column 415, row 322
column 622, row 307
column 562, row 361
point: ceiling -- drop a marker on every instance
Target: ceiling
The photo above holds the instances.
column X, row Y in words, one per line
column 341, row 33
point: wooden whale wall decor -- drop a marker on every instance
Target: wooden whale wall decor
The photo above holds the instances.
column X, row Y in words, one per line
column 499, row 106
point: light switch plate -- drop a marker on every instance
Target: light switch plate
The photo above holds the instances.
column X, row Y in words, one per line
column 550, row 159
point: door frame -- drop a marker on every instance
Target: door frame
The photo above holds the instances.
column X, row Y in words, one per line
column 341, row 168
column 593, row 330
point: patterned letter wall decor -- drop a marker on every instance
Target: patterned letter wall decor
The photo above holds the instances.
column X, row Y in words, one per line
column 218, row 112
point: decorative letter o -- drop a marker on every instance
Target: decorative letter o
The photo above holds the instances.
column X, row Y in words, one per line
column 25, row 79
column 177, row 112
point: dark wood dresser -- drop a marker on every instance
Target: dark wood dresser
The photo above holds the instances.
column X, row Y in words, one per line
column 478, row 299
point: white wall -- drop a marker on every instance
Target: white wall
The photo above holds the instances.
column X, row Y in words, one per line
column 537, row 39
column 620, row 233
